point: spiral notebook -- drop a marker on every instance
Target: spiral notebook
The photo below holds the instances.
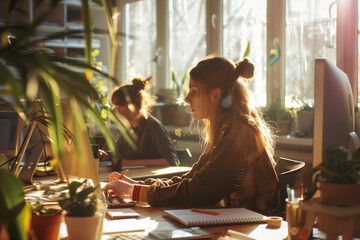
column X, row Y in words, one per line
column 225, row 216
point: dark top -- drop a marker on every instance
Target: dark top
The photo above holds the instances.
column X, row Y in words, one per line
column 154, row 142
column 238, row 171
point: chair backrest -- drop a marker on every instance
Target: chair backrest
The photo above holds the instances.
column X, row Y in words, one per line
column 185, row 157
column 289, row 173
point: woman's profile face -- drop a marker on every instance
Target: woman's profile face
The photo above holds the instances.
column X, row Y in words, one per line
column 126, row 112
column 197, row 100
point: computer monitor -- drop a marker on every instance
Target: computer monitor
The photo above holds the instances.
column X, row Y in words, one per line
column 10, row 131
column 334, row 117
column 76, row 162
column 81, row 162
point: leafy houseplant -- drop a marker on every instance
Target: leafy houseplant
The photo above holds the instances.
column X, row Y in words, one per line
column 45, row 221
column 304, row 117
column 29, row 71
column 280, row 118
column 85, row 210
column 15, row 215
column 79, row 202
column 335, row 177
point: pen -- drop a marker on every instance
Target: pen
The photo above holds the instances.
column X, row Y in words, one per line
column 288, row 191
column 301, row 192
column 120, row 175
column 123, row 173
column 204, row 211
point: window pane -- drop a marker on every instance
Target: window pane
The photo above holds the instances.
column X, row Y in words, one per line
column 310, row 34
column 140, row 47
column 358, row 53
column 187, row 30
column 245, row 22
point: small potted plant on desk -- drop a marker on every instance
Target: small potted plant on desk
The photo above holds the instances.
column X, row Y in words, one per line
column 337, row 178
column 84, row 209
column 45, row 221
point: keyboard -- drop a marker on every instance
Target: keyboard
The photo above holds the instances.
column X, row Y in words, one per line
column 127, row 236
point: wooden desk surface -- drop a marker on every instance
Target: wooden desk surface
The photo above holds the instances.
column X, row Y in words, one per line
column 254, row 230
column 147, row 172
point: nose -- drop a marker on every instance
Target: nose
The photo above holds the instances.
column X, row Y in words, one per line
column 187, row 99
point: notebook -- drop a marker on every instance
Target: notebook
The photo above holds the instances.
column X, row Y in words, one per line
column 226, row 216
column 118, row 213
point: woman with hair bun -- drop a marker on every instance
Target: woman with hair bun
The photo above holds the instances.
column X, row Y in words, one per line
column 154, row 145
column 237, row 165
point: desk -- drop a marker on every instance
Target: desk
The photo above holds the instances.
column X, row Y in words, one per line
column 335, row 220
column 255, row 230
column 154, row 216
column 147, row 172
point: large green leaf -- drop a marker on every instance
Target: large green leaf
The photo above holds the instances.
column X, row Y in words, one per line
column 13, row 211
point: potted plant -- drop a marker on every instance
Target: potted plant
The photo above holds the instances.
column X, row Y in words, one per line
column 280, row 118
column 337, row 178
column 15, row 215
column 27, row 71
column 45, row 221
column 304, row 117
column 84, row 210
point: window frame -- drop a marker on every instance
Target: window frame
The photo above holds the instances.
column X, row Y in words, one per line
column 346, row 42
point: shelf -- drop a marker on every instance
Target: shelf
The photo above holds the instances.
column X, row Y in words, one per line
column 78, row 43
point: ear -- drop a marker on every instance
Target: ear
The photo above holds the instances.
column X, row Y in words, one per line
column 216, row 94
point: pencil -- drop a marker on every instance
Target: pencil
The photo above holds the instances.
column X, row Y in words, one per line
column 123, row 173
column 204, row 211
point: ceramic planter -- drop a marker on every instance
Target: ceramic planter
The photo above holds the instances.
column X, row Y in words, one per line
column 46, row 227
column 80, row 228
column 340, row 194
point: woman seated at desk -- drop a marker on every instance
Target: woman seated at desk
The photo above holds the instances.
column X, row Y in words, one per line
column 237, row 165
column 154, row 145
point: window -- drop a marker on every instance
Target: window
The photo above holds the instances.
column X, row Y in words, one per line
column 245, row 22
column 187, row 35
column 310, row 33
column 140, row 43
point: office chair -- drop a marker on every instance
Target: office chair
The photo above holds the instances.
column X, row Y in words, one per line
column 185, row 157
column 288, row 172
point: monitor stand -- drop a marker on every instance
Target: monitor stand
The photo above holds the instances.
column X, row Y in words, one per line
column 27, row 172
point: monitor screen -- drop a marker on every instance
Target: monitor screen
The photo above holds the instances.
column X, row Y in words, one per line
column 10, row 132
column 77, row 162
column 334, row 109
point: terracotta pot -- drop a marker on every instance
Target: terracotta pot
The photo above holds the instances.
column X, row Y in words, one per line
column 46, row 227
column 340, row 194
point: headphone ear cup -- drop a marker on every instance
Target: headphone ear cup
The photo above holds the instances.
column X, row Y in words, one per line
column 226, row 102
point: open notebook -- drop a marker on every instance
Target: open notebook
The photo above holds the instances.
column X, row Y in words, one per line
column 226, row 216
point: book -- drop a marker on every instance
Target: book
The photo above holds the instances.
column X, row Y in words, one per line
column 225, row 216
column 118, row 213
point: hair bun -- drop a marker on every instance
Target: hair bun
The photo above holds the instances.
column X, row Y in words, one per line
column 138, row 84
column 245, row 69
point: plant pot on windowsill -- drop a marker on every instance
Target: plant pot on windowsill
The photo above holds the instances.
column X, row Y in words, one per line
column 176, row 115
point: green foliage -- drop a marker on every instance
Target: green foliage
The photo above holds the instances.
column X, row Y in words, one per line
column 247, row 51
column 29, row 71
column 81, row 200
column 180, row 85
column 302, row 105
column 276, row 113
column 14, row 213
column 40, row 209
column 335, row 169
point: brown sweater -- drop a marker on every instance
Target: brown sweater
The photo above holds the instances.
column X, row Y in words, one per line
column 237, row 172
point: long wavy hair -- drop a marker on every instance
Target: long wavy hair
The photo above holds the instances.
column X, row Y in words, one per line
column 235, row 105
column 135, row 96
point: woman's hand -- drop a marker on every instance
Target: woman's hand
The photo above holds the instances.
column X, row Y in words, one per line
column 116, row 176
column 120, row 188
